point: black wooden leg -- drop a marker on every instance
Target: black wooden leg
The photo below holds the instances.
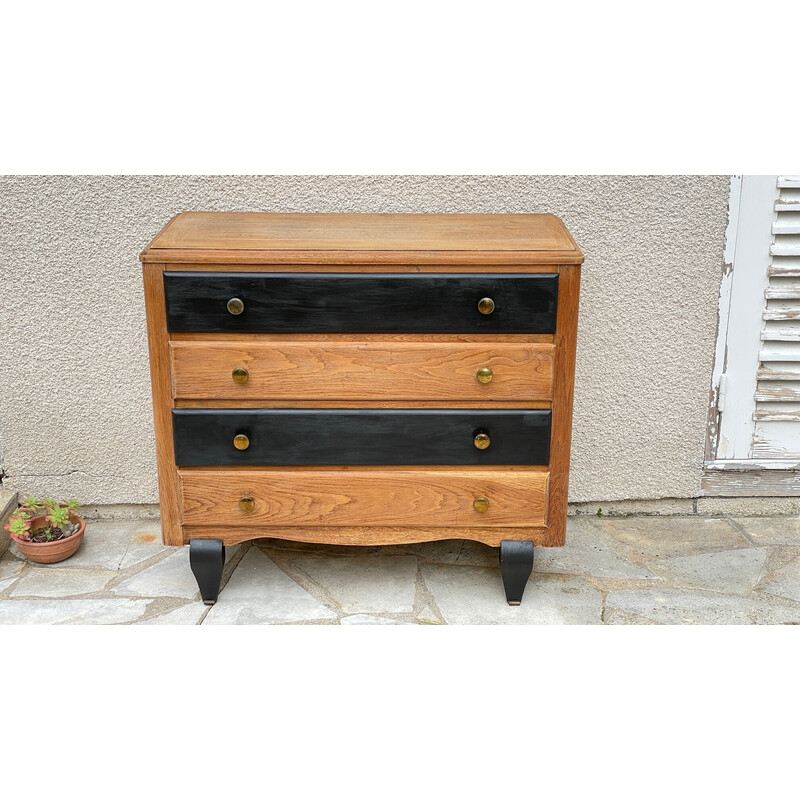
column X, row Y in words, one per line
column 207, row 558
column 516, row 564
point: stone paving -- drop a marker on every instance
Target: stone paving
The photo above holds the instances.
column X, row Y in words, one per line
column 613, row 571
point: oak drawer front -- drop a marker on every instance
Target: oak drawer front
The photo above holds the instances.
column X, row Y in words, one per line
column 362, row 371
column 265, row 437
column 446, row 498
column 360, row 303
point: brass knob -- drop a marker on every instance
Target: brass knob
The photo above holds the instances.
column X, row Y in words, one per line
column 240, row 375
column 247, row 504
column 481, row 504
column 241, row 441
column 482, row 441
column 484, row 375
column 486, row 305
column 236, row 306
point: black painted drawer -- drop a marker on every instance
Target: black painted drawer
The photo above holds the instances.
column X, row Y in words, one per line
column 205, row 437
column 360, row 303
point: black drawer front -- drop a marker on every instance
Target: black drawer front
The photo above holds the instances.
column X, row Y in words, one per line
column 205, row 437
column 360, row 303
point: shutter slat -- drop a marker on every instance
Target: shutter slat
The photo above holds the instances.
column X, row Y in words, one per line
column 785, row 250
column 776, row 415
column 783, row 294
column 788, row 226
column 782, row 314
column 779, row 351
column 790, row 268
column 772, row 373
column 782, row 335
column 774, row 392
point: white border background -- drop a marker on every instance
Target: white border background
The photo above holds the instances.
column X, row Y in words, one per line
column 412, row 88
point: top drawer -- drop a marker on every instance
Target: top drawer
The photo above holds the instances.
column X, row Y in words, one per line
column 360, row 303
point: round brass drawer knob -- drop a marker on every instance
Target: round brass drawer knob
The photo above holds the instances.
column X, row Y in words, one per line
column 486, row 305
column 240, row 375
column 482, row 441
column 235, row 306
column 241, row 441
column 247, row 504
column 484, row 375
column 481, row 504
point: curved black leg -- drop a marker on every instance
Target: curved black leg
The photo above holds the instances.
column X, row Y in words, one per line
column 516, row 564
column 207, row 558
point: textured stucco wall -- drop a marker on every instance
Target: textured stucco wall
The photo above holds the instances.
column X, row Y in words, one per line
column 75, row 413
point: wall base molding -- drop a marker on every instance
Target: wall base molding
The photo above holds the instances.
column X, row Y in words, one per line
column 752, row 506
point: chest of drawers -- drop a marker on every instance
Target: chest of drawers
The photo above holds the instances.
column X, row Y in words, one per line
column 362, row 379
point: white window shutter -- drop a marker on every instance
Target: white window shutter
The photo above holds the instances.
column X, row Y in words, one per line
column 776, row 433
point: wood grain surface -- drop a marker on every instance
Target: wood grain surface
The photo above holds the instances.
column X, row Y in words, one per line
column 254, row 231
column 563, row 389
column 161, row 384
column 361, row 535
column 343, row 371
column 373, row 404
column 390, row 498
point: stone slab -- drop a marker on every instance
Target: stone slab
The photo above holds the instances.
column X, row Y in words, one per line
column 259, row 593
column 8, row 502
column 613, row 616
column 472, row 596
column 10, row 567
column 369, row 619
column 108, row 611
column 144, row 543
column 766, row 531
column 588, row 552
column 103, row 547
column 10, row 570
column 728, row 571
column 190, row 614
column 698, row 607
column 367, row 584
column 660, row 537
column 170, row 577
column 428, row 617
column 62, row 582
column 784, row 582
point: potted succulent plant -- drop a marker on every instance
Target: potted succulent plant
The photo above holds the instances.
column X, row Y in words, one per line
column 46, row 531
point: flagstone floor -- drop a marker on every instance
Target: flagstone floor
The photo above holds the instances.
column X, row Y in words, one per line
column 613, row 571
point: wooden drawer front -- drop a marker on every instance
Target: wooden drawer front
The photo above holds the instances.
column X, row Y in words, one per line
column 359, row 497
column 360, row 303
column 205, row 437
column 362, row 371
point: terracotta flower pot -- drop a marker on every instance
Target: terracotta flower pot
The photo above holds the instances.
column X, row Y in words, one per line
column 52, row 552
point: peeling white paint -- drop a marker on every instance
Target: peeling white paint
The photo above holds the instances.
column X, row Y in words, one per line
column 723, row 315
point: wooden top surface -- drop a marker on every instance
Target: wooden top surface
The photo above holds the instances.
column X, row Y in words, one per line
column 252, row 237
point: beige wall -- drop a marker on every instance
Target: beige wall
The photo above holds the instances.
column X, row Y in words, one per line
column 75, row 413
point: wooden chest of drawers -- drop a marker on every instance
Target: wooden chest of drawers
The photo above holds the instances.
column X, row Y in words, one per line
column 362, row 379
